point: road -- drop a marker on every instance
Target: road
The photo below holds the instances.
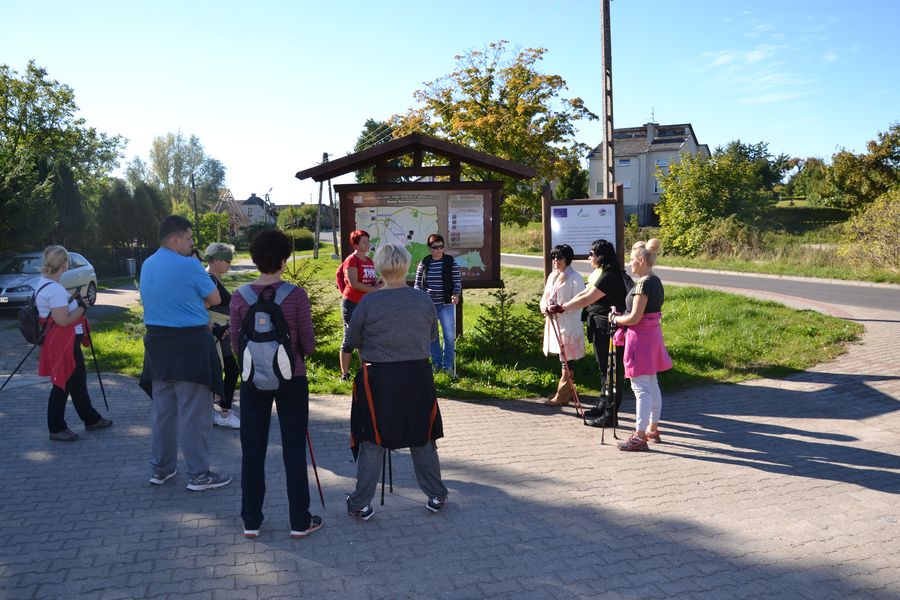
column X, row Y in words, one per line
column 825, row 291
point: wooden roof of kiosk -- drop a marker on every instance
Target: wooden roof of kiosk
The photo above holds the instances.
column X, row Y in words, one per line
column 416, row 144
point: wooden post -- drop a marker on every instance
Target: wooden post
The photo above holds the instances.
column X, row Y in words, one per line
column 546, row 197
column 609, row 173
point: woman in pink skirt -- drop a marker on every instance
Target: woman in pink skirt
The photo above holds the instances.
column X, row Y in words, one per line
column 645, row 351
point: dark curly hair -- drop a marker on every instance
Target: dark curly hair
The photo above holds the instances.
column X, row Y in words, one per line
column 606, row 255
column 269, row 249
column 563, row 251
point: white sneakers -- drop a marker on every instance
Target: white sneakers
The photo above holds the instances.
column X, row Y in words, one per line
column 232, row 420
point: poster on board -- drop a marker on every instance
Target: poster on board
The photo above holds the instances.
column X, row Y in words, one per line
column 578, row 225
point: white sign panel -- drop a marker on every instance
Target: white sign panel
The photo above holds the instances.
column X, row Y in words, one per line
column 578, row 225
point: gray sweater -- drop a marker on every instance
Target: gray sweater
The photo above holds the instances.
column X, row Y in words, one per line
column 391, row 325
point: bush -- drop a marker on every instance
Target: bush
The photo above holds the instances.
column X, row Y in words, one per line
column 303, row 238
column 500, row 334
column 729, row 237
column 800, row 219
column 870, row 238
column 303, row 272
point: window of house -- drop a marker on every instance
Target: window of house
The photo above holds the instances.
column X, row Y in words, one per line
column 626, row 183
column 598, row 188
column 624, row 162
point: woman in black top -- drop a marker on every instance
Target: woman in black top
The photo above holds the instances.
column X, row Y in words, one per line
column 607, row 287
column 219, row 256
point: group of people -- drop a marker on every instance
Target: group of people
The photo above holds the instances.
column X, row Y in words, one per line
column 639, row 351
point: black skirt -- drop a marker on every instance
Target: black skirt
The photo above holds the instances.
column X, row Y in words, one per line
column 395, row 405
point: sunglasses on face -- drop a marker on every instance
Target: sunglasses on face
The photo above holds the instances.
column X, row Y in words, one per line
column 437, row 247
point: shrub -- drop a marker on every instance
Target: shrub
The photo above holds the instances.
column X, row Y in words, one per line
column 501, row 334
column 870, row 237
column 303, row 238
column 729, row 237
column 303, row 272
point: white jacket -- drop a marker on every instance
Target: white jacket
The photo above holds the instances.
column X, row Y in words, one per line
column 571, row 329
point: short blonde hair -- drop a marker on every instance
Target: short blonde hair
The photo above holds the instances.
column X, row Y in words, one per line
column 219, row 251
column 647, row 250
column 55, row 257
column 392, row 260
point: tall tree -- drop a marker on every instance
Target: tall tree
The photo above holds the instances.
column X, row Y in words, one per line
column 42, row 140
column 373, row 133
column 808, row 180
column 501, row 104
column 768, row 168
column 573, row 184
column 173, row 159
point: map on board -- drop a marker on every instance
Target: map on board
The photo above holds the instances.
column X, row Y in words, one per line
column 408, row 226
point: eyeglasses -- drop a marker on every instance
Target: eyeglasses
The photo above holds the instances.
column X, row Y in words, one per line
column 591, row 253
column 437, row 247
column 556, row 257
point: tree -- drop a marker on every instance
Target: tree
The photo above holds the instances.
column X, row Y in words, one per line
column 293, row 217
column 855, row 180
column 373, row 133
column 503, row 106
column 125, row 217
column 173, row 159
column 770, row 169
column 809, row 179
column 700, row 192
column 50, row 160
column 573, row 184
column 870, row 236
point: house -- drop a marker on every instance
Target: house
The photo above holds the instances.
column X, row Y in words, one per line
column 258, row 210
column 637, row 153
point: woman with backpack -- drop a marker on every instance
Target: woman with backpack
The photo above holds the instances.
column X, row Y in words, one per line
column 439, row 275
column 61, row 356
column 607, row 286
column 270, row 252
column 218, row 258
column 359, row 279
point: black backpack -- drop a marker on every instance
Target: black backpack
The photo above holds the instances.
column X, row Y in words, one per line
column 265, row 339
column 30, row 321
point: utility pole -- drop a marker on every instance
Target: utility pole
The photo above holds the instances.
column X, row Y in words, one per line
column 196, row 213
column 319, row 211
column 609, row 173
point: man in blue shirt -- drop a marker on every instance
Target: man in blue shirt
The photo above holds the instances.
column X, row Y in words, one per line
column 181, row 366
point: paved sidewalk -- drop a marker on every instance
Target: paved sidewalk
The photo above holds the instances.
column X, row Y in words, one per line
column 774, row 488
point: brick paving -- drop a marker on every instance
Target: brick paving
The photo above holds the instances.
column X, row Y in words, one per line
column 783, row 487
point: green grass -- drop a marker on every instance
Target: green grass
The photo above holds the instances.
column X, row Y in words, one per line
column 712, row 337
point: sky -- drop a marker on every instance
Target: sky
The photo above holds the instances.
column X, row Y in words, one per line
column 268, row 86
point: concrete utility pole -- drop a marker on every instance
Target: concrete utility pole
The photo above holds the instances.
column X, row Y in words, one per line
column 609, row 173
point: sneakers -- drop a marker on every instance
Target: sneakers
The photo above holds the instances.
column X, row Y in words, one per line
column 435, row 504
column 160, row 477
column 315, row 523
column 251, row 533
column 365, row 513
column 101, row 424
column 653, row 436
column 231, row 420
column 345, row 377
column 633, row 444
column 208, row 481
column 66, row 435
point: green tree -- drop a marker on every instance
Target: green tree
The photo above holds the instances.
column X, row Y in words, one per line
column 50, row 160
column 870, row 236
column 173, row 159
column 502, row 105
column 373, row 133
column 573, row 184
column 768, row 168
column 213, row 228
column 293, row 217
column 855, row 180
column 808, row 180
column 700, row 192
column 127, row 218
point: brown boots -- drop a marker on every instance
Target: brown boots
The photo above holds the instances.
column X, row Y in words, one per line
column 563, row 392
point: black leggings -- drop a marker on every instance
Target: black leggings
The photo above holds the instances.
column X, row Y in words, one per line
column 601, row 353
column 76, row 386
column 230, row 367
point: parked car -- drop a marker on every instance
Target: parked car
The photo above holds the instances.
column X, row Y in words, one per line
column 19, row 275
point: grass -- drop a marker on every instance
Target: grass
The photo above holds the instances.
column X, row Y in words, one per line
column 712, row 337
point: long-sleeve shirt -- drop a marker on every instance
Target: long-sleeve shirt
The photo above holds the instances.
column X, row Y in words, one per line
column 432, row 281
column 296, row 310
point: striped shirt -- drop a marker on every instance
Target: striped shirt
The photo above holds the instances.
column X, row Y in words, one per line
column 433, row 281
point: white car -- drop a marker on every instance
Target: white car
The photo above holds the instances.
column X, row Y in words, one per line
column 19, row 275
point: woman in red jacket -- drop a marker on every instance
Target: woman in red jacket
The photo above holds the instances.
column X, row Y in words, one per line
column 61, row 356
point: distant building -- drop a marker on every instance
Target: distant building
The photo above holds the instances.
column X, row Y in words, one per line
column 236, row 216
column 637, row 153
column 258, row 211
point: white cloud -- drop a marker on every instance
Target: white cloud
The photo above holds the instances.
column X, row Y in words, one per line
column 830, row 56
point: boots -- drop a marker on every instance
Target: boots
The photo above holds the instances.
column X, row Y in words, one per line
column 563, row 392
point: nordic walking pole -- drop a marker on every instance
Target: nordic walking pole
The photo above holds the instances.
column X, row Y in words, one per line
column 390, row 472
column 383, row 469
column 97, row 368
column 554, row 324
column 312, row 458
column 18, row 366
column 610, row 383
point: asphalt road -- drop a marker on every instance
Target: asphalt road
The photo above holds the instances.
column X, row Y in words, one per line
column 830, row 291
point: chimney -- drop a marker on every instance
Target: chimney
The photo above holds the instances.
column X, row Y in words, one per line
column 651, row 132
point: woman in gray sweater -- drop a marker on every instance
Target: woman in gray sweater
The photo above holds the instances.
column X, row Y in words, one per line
column 394, row 400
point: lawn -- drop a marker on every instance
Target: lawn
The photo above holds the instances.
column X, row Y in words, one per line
column 712, row 337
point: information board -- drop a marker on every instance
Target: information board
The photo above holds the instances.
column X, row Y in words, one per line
column 578, row 225
column 407, row 217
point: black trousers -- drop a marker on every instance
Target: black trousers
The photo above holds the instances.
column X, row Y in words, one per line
column 231, row 370
column 601, row 353
column 76, row 387
column 292, row 401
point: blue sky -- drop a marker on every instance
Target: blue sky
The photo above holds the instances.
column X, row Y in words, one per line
column 268, row 86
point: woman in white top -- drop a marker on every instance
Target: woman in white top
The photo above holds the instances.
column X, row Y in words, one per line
column 61, row 356
column 563, row 284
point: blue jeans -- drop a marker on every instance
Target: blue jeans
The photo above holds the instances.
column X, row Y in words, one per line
column 444, row 360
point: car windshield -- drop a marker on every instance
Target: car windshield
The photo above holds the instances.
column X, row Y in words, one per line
column 27, row 265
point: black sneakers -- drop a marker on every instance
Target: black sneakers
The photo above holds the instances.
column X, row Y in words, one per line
column 435, row 504
column 365, row 513
column 315, row 523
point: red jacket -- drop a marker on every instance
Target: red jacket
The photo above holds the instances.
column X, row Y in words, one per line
column 57, row 353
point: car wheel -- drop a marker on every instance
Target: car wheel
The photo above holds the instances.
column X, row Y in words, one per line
column 91, row 295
